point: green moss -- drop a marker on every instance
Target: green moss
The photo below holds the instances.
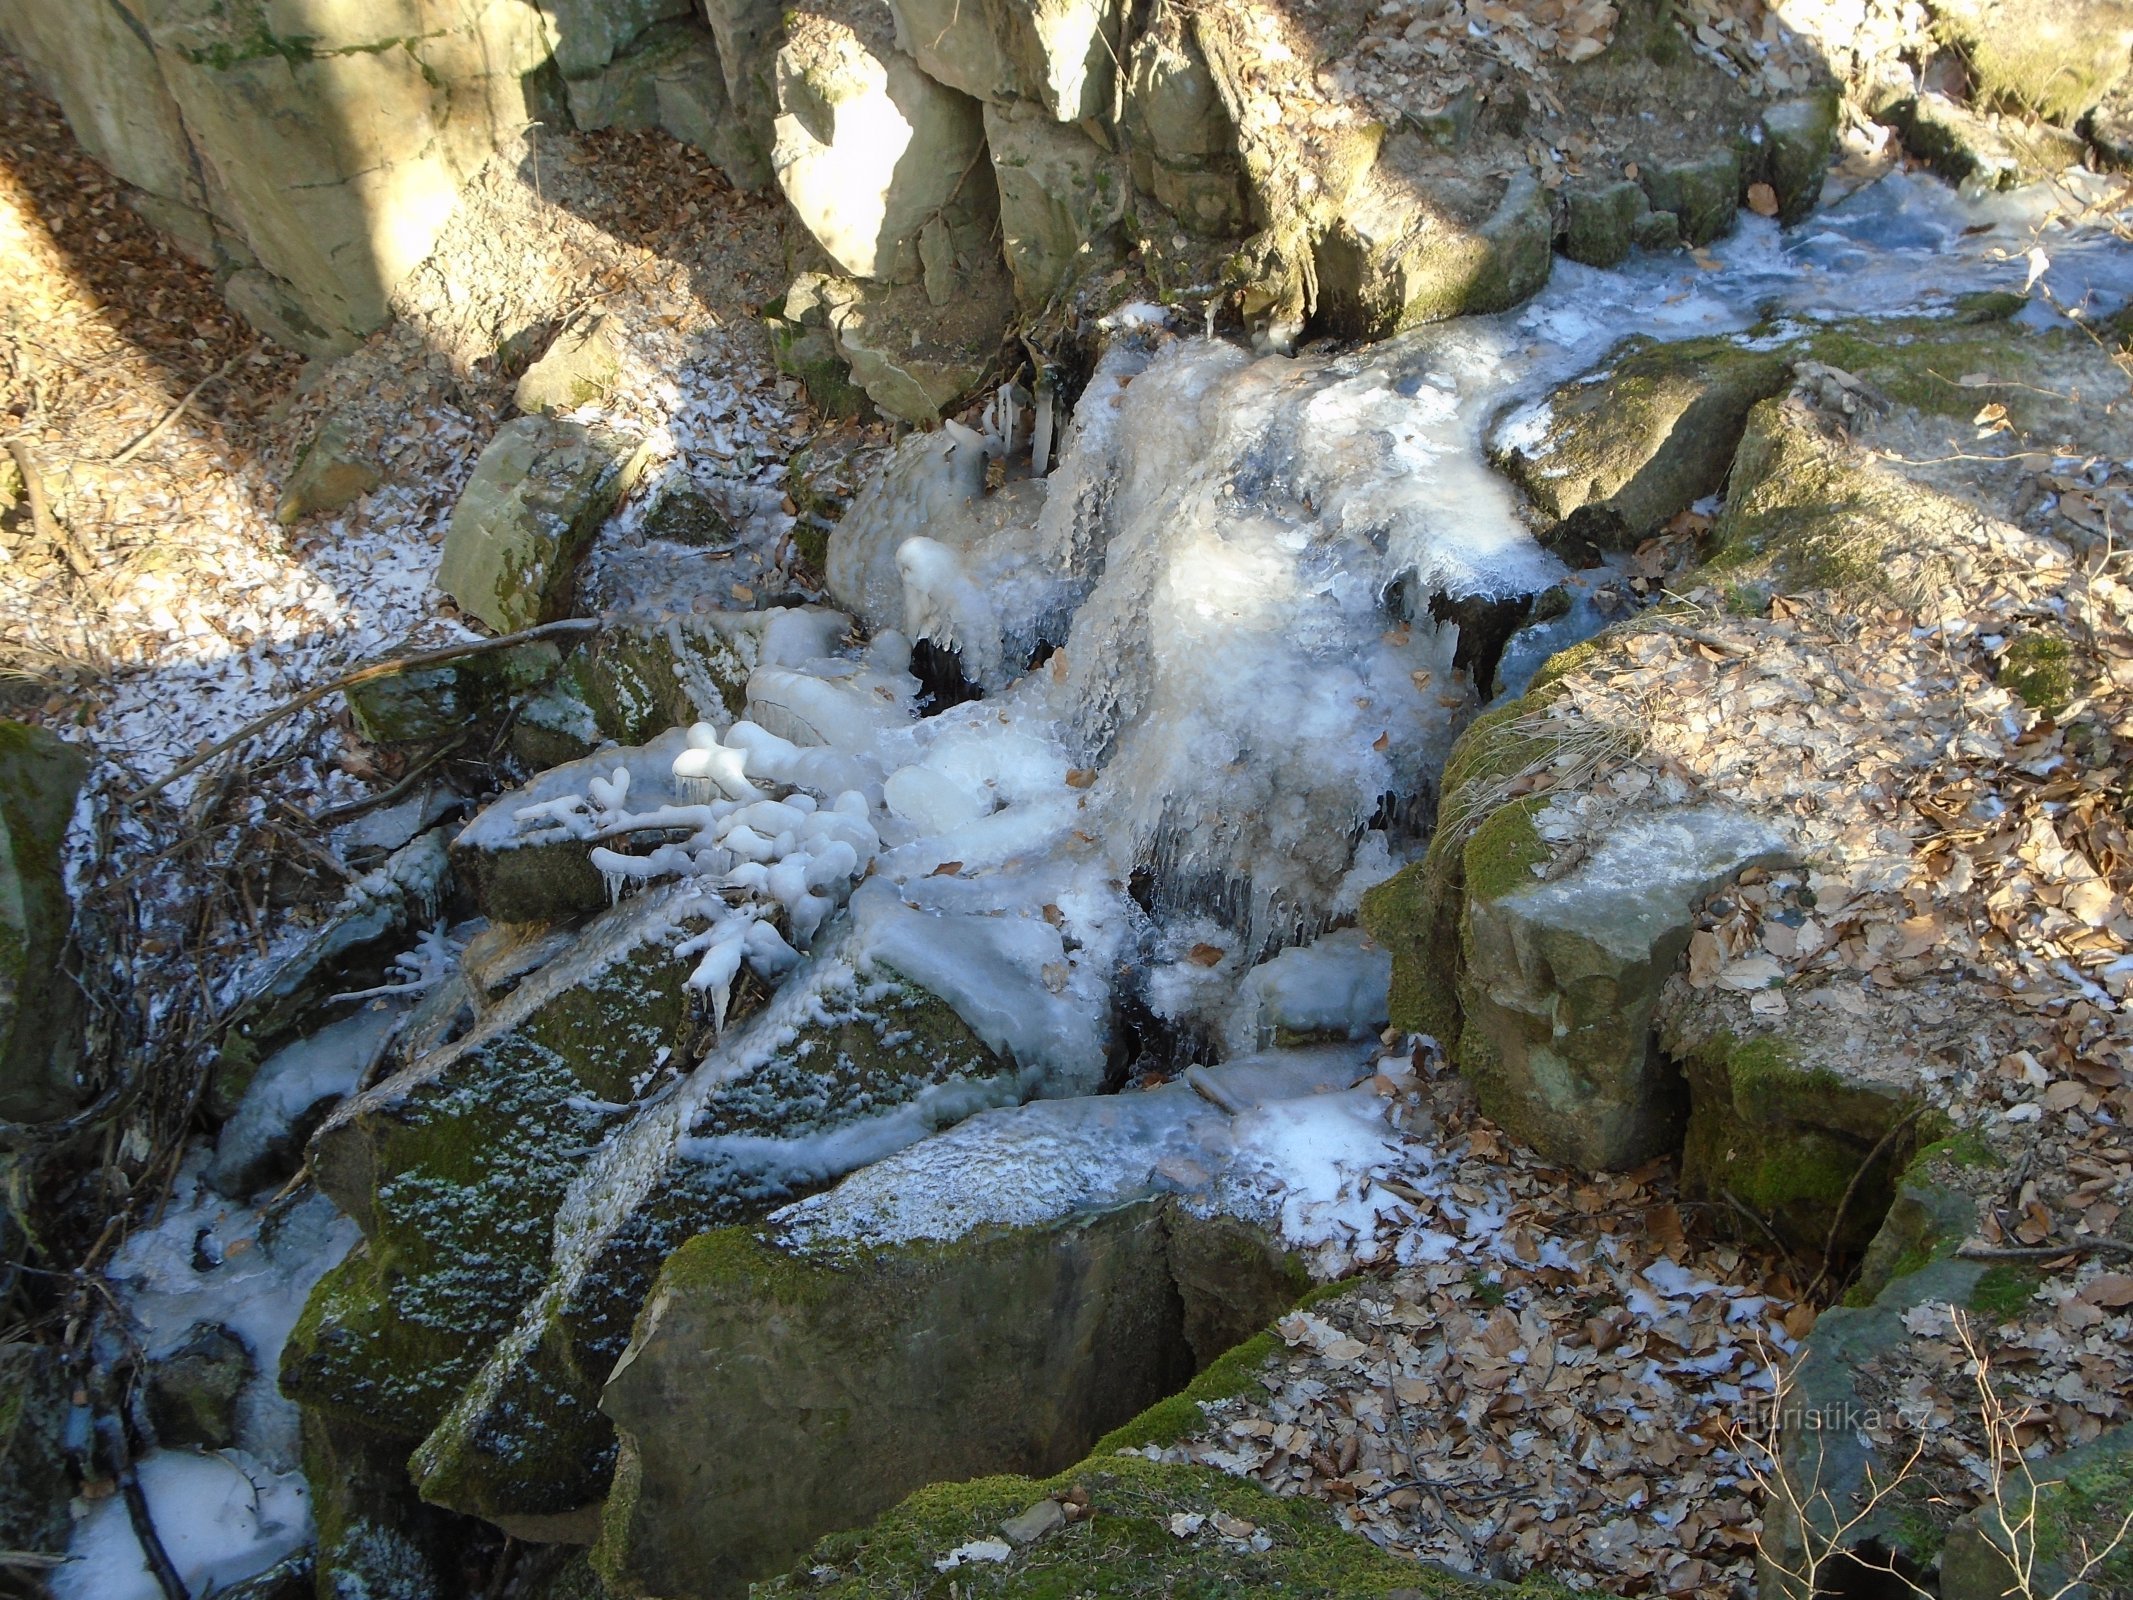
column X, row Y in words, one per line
column 1919, row 1534
column 1123, row 1550
column 1788, row 1143
column 1231, row 1374
column 2039, row 669
column 2003, row 1292
column 2084, row 1513
column 1966, row 1148
column 1501, row 854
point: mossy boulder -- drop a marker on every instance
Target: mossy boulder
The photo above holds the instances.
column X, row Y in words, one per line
column 846, row 1062
column 2055, row 58
column 1799, row 137
column 1600, row 221
column 1402, row 254
column 1560, row 980
column 1912, row 1260
column 426, row 705
column 337, row 468
column 454, row 1168
column 1805, row 1149
column 375, row 1539
column 803, row 342
column 41, row 1009
column 1701, row 191
column 2079, row 1501
column 1978, row 151
column 837, row 1386
column 1612, row 458
column 1124, row 1547
column 539, row 493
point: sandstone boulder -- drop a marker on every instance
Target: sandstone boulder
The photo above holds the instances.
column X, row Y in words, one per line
column 538, row 495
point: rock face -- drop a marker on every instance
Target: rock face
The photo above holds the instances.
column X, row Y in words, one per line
column 1060, row 196
column 538, row 495
column 1562, row 979
column 1059, row 54
column 870, row 149
column 672, row 78
column 925, row 1366
column 214, row 110
column 41, row 1010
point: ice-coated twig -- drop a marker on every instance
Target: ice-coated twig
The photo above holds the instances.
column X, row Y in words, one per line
column 348, row 680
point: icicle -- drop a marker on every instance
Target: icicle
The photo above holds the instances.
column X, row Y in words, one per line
column 1040, row 442
column 1008, row 408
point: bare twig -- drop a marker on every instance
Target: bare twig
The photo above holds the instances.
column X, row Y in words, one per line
column 153, row 1554
column 50, row 528
column 2045, row 1252
column 176, row 411
column 348, row 680
column 1851, row 1190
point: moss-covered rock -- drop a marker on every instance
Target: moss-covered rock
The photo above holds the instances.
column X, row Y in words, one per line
column 375, row 1539
column 1978, row 151
column 2079, row 1501
column 425, row 705
column 582, row 366
column 539, row 493
column 844, row 1064
column 1560, row 981
column 1800, row 1147
column 1401, row 255
column 1799, row 138
column 2056, row 58
column 41, row 1013
column 1122, row 1548
column 838, row 1385
column 1600, row 220
column 1612, row 458
column 337, row 468
column 1822, row 1441
column 1702, row 191
column 454, row 1168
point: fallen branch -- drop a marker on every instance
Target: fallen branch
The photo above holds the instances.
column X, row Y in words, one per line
column 153, row 1555
column 48, row 527
column 176, row 411
column 348, row 680
column 2045, row 1252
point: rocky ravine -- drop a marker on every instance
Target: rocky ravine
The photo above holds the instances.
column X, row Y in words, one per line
column 719, row 1112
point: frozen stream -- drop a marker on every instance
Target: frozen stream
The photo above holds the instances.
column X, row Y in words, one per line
column 1215, row 700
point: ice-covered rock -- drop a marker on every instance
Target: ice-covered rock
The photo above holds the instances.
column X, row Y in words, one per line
column 847, row 1062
